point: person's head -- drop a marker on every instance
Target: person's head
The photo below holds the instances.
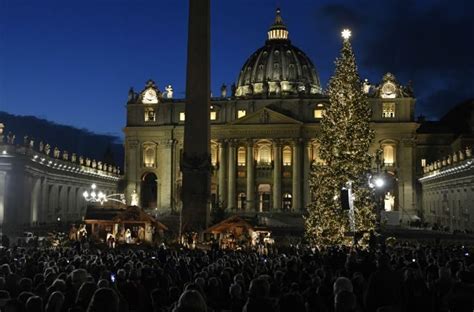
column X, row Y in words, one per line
column 55, row 302
column 235, row 291
column 174, row 294
column 342, row 284
column 78, row 277
column 85, row 293
column 158, row 298
column 345, row 301
column 38, row 279
column 4, row 294
column 104, row 299
column 191, row 301
column 5, row 269
column 34, row 304
column 292, row 302
column 25, row 284
column 58, row 285
column 14, row 305
column 383, row 261
column 103, row 283
column 24, row 296
column 444, row 273
column 259, row 288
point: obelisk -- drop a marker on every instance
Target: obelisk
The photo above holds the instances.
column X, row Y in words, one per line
column 196, row 162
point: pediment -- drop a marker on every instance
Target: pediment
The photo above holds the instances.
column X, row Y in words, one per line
column 266, row 115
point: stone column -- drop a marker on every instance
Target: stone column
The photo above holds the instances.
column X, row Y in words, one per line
column 232, row 163
column 277, row 162
column 196, row 157
column 250, row 163
column 44, row 200
column 35, row 199
column 132, row 163
column 222, row 187
column 164, row 196
column 296, row 176
column 306, row 174
column 3, row 191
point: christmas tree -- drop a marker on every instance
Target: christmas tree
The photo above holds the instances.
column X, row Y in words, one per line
column 344, row 141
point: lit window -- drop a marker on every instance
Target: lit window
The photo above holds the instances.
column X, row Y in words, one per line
column 287, row 156
column 388, row 155
column 213, row 115
column 182, row 116
column 150, row 114
column 241, row 113
column 241, row 156
column 287, row 201
column 149, row 155
column 264, row 154
column 423, row 162
column 388, row 110
column 319, row 111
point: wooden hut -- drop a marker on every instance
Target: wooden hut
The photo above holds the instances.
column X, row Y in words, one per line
column 238, row 232
column 131, row 225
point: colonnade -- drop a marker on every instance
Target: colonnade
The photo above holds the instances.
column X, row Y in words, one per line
column 228, row 179
column 40, row 197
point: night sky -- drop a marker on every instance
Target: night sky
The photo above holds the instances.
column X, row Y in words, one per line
column 72, row 62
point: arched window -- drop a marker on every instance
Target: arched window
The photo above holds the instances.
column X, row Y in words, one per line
column 241, row 156
column 149, row 155
column 287, row 156
column 264, row 154
column 260, row 72
column 276, row 71
column 291, row 72
column 388, row 155
column 148, row 190
column 248, row 75
column 150, row 114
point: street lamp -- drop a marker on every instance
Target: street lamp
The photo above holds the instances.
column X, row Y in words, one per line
column 379, row 182
column 96, row 196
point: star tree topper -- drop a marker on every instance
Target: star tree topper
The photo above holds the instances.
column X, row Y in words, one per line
column 346, row 34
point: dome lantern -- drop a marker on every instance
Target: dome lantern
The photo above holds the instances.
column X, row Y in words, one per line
column 278, row 30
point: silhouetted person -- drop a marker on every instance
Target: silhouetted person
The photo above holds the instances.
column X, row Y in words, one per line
column 104, row 299
column 191, row 301
column 384, row 286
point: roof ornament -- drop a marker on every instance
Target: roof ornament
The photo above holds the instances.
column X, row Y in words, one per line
column 278, row 30
column 169, row 91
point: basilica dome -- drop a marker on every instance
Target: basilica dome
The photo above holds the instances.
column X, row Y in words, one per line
column 278, row 68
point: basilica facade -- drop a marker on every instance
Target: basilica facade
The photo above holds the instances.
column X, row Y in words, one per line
column 263, row 137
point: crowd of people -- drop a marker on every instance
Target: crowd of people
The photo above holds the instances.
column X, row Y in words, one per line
column 398, row 278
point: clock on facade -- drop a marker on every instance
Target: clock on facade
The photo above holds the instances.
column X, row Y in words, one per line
column 149, row 97
column 388, row 90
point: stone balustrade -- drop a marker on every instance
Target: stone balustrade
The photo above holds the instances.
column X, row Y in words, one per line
column 42, row 153
column 448, row 161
